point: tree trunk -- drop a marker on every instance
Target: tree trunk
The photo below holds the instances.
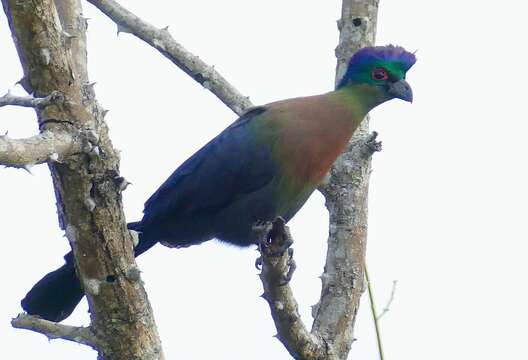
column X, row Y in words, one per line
column 51, row 43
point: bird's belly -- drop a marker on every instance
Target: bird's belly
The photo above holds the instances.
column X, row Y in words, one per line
column 234, row 224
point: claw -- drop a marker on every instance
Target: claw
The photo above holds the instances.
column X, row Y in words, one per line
column 292, row 266
column 280, row 237
column 273, row 240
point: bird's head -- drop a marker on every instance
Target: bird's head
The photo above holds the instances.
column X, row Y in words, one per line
column 380, row 70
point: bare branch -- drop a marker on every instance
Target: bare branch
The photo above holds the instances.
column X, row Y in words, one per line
column 276, row 263
column 53, row 330
column 163, row 41
column 46, row 146
column 30, row 101
column 346, row 194
column 386, row 308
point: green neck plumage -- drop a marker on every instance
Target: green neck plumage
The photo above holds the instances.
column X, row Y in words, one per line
column 361, row 97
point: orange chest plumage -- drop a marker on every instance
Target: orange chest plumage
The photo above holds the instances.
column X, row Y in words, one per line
column 311, row 133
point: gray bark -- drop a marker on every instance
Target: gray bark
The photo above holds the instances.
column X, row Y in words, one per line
column 53, row 57
column 346, row 194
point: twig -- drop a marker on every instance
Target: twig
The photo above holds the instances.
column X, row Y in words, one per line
column 53, row 330
column 374, row 316
column 30, row 101
column 391, row 299
column 163, row 41
column 46, row 146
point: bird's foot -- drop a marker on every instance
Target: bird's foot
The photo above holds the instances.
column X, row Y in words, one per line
column 273, row 240
column 261, row 230
column 273, row 237
column 292, row 265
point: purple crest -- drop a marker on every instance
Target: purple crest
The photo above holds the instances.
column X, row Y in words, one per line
column 389, row 53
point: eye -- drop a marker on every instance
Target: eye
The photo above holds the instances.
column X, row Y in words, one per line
column 379, row 74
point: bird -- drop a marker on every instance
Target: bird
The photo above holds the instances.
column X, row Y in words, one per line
column 263, row 166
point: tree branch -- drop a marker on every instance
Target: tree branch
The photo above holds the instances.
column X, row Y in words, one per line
column 53, row 330
column 46, row 146
column 163, row 41
column 30, row 101
column 277, row 264
column 346, row 194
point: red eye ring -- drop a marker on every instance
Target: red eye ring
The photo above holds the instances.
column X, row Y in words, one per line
column 379, row 74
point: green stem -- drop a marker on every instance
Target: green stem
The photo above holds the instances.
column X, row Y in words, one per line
column 374, row 314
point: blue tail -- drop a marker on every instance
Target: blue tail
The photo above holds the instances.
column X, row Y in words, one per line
column 57, row 294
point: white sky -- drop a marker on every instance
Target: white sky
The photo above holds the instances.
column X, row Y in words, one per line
column 448, row 196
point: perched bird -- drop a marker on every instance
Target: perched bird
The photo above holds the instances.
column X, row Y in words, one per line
column 264, row 165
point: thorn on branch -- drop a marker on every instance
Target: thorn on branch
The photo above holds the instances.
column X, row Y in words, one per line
column 24, row 82
column 54, row 157
column 95, row 151
column 91, row 139
column 84, row 21
column 89, row 87
column 123, row 29
column 372, row 145
column 28, row 168
column 134, row 235
column 339, row 24
column 121, row 183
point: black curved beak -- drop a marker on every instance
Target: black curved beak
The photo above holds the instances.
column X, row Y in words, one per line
column 401, row 90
